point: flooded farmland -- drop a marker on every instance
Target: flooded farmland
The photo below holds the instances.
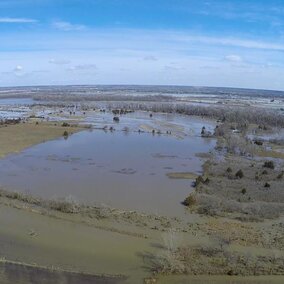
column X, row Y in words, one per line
column 120, row 192
column 106, row 167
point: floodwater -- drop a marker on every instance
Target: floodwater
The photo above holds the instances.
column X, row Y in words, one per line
column 15, row 273
column 119, row 169
column 181, row 125
column 14, row 107
column 16, row 101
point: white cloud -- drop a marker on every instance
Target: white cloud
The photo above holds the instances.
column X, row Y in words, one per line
column 18, row 68
column 237, row 42
column 17, row 20
column 233, row 58
column 66, row 26
column 82, row 67
column 18, row 71
column 173, row 68
column 128, row 56
column 59, row 61
column 150, row 58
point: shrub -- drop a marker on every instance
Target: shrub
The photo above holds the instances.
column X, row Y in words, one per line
column 269, row 164
column 243, row 191
column 170, row 261
column 207, row 181
column 265, row 172
column 239, row 145
column 65, row 124
column 229, row 170
column 67, row 205
column 267, row 185
column 280, row 176
column 230, row 114
column 199, row 180
column 258, row 142
column 239, row 174
column 190, row 201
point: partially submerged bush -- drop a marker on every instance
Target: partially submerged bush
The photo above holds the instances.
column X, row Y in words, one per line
column 200, row 180
column 258, row 142
column 239, row 174
column 126, row 129
column 65, row 124
column 205, row 133
column 267, row 185
column 190, row 201
column 67, row 205
column 170, row 260
column 238, row 145
column 229, row 170
column 239, row 115
column 20, row 196
column 269, row 164
column 281, row 175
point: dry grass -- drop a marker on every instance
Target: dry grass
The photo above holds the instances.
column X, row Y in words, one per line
column 182, row 175
column 270, row 154
column 224, row 195
column 15, row 138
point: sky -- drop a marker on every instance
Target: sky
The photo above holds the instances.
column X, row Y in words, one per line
column 229, row 43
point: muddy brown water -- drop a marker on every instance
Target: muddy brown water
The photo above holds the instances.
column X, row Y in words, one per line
column 21, row 274
column 126, row 171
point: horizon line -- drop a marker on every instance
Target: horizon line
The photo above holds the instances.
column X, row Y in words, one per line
column 139, row 85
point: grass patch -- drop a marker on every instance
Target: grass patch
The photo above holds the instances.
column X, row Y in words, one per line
column 181, row 175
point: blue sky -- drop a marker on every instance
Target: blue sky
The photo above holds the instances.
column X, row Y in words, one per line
column 178, row 42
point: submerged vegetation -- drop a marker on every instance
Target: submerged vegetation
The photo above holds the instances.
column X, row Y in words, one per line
column 232, row 223
column 250, row 193
column 228, row 114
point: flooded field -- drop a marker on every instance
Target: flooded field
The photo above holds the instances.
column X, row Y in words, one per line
column 20, row 274
column 13, row 108
column 16, row 101
column 106, row 167
column 107, row 192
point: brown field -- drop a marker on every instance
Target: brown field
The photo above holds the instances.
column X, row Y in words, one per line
column 15, row 138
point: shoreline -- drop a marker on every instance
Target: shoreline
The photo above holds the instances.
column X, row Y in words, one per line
column 18, row 137
column 107, row 241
